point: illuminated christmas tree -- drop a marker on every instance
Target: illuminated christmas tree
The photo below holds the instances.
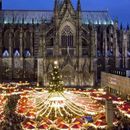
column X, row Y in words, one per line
column 57, row 104
column 56, row 82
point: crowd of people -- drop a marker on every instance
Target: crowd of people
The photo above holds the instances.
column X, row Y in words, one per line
column 123, row 121
column 12, row 121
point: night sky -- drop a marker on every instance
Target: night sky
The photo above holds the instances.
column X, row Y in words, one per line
column 117, row 8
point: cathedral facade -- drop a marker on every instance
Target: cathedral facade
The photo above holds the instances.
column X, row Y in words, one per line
column 83, row 42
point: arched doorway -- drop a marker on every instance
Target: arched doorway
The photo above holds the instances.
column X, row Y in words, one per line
column 68, row 75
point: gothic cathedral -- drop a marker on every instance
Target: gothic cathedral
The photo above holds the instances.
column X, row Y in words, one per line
column 83, row 42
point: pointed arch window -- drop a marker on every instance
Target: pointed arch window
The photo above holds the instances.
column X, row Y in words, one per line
column 5, row 53
column 67, row 37
column 128, row 53
column 27, row 53
column 109, row 53
column 99, row 53
column 16, row 53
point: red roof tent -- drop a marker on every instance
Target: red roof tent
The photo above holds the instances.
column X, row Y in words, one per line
column 76, row 126
column 63, row 126
column 43, row 126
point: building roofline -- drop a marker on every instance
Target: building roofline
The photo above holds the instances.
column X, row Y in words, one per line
column 26, row 10
column 95, row 11
column 22, row 10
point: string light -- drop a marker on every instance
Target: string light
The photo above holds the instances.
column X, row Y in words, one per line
column 56, row 102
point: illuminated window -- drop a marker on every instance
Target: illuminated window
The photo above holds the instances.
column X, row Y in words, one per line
column 27, row 53
column 5, row 21
column 16, row 53
column 99, row 53
column 128, row 53
column 5, row 53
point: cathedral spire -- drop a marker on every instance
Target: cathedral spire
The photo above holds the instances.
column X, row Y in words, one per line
column 128, row 27
column 78, row 6
column 121, row 26
column 78, row 9
column 56, row 8
column 67, row 1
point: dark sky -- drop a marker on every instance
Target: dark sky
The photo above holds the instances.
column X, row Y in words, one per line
column 117, row 8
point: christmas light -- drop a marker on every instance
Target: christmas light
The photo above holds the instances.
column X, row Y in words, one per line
column 55, row 62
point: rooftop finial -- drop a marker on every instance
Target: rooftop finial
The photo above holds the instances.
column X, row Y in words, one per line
column 56, row 5
column 56, row 8
column 128, row 27
column 121, row 26
column 67, row 1
column 78, row 6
